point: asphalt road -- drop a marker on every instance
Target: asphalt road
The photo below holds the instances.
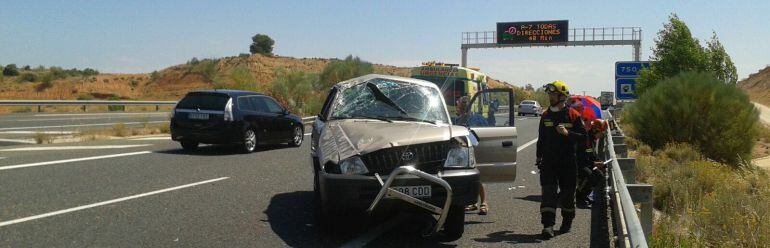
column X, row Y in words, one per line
column 148, row 192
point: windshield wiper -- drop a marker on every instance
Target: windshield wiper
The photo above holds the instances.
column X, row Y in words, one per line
column 409, row 118
column 383, row 98
column 364, row 117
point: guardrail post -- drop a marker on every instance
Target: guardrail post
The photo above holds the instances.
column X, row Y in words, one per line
column 642, row 194
column 84, row 108
column 39, row 108
column 628, row 169
column 621, row 150
column 619, row 139
column 157, row 108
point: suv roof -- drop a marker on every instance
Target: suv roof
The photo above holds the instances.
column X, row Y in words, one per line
column 228, row 92
column 366, row 78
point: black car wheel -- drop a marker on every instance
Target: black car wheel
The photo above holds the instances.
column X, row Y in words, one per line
column 249, row 143
column 189, row 145
column 297, row 137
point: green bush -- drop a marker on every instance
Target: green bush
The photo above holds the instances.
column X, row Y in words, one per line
column 696, row 108
column 295, row 90
column 27, row 77
column 115, row 107
column 206, row 68
column 242, row 79
column 340, row 70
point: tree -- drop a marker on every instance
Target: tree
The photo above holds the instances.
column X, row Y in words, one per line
column 11, row 70
column 675, row 51
column 27, row 68
column 261, row 44
column 529, row 87
column 719, row 62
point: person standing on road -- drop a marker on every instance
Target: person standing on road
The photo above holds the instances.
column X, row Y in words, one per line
column 469, row 119
column 560, row 136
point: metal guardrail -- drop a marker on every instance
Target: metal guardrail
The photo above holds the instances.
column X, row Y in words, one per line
column 84, row 103
column 631, row 229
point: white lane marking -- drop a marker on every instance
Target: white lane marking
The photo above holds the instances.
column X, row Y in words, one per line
column 22, row 141
column 59, row 148
column 526, row 145
column 93, row 205
column 81, row 125
column 307, row 134
column 370, row 236
column 151, row 113
column 153, row 138
column 9, row 167
column 35, row 132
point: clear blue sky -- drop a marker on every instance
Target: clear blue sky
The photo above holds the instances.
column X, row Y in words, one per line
column 142, row 36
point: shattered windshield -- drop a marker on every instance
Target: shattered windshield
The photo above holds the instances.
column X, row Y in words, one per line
column 390, row 100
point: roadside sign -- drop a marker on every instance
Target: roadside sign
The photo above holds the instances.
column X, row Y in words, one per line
column 532, row 32
column 625, row 88
column 626, row 73
column 630, row 68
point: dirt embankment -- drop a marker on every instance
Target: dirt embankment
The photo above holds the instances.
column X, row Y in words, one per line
column 757, row 86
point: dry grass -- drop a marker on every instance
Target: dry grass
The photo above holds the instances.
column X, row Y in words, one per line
column 705, row 204
column 42, row 138
column 762, row 147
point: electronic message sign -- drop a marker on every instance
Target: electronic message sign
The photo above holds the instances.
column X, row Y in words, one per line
column 532, row 32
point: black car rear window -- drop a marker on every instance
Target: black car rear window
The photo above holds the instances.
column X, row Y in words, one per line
column 202, row 100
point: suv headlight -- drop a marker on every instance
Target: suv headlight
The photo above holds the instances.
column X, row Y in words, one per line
column 460, row 157
column 353, row 165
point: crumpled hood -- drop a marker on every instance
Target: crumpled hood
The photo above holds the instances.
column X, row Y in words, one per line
column 345, row 138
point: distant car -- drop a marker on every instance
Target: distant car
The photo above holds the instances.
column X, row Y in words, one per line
column 377, row 125
column 530, row 107
column 231, row 116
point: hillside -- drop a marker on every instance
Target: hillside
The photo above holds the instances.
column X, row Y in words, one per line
column 757, row 86
column 170, row 83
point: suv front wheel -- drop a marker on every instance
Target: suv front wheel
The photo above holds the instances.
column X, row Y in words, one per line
column 249, row 142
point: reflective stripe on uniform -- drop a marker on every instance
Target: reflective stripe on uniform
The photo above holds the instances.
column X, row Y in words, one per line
column 548, row 210
column 548, row 123
column 567, row 125
column 589, row 150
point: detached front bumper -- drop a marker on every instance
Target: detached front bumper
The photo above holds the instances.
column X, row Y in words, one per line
column 344, row 193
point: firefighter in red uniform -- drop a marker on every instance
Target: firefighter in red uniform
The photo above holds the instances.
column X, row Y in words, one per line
column 561, row 136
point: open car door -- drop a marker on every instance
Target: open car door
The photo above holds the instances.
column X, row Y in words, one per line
column 491, row 119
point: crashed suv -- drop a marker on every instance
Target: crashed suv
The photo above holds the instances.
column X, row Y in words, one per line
column 385, row 141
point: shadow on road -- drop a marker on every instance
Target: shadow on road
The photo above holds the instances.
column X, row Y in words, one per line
column 291, row 217
column 532, row 198
column 510, row 237
column 221, row 150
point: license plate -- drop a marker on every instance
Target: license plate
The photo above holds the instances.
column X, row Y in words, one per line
column 198, row 116
column 415, row 191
